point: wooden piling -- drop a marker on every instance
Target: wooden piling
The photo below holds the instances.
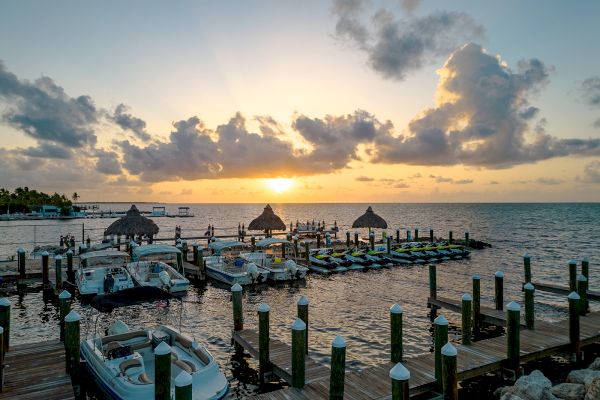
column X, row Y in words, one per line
column 1, row 359
column 529, row 290
column 82, row 248
column 397, row 235
column 573, row 275
column 195, row 254
column 70, row 272
column 162, row 372
column 183, row 386
column 180, row 257
column 238, row 314
column 467, row 241
column 318, row 240
column 585, row 271
column 45, row 274
column 574, row 336
column 21, row 261
column 295, row 246
column 400, row 377
column 264, row 359
column 513, row 336
column 64, row 308
column 440, row 335
column 372, row 241
column 432, row 289
column 476, row 304
column 5, row 321
column 72, row 340
column 499, row 290
column 450, row 239
column 298, row 353
column 431, row 235
column 389, row 245
column 58, row 272
column 396, row 332
column 338, row 369
column 416, row 234
column 408, row 235
column 467, row 307
column 449, row 372
column 356, row 242
column 303, row 315
column 527, row 267
column 253, row 243
column 347, row 240
column 307, row 253
column 582, row 287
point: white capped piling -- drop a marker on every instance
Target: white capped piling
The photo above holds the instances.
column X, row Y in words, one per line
column 58, row 272
column 64, row 306
column 573, row 275
column 449, row 372
column 440, row 335
column 476, row 304
column 21, row 261
column 396, row 332
column 499, row 290
column 574, row 336
column 467, row 306
column 162, row 372
column 513, row 336
column 5, row 321
column 298, row 353
column 582, row 287
column 372, row 240
column 585, row 271
column 264, row 363
column 45, row 275
column 238, row 314
column 70, row 272
column 338, row 368
column 183, row 386
column 529, row 291
column 527, row 267
column 400, row 377
column 72, row 337
column 303, row 315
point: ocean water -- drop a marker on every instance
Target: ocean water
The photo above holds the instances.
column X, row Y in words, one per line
column 354, row 305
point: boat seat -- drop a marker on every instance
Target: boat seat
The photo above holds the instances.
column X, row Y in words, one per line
column 124, row 336
column 185, row 365
column 201, row 354
column 125, row 365
column 184, row 341
column 111, row 346
column 144, row 379
column 141, row 345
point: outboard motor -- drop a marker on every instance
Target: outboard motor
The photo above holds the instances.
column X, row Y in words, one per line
column 164, row 278
column 293, row 268
column 109, row 283
column 254, row 274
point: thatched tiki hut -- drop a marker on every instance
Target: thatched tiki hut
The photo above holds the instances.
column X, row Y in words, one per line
column 268, row 221
column 133, row 225
column 370, row 220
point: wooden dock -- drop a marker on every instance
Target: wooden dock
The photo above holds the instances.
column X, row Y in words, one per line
column 563, row 290
column 36, row 371
column 488, row 315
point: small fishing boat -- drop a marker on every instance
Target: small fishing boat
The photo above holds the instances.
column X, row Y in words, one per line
column 122, row 362
column 148, row 270
column 226, row 264
column 281, row 268
column 103, row 271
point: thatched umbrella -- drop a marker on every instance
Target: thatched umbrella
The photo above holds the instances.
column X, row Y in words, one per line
column 267, row 221
column 133, row 224
column 370, row 220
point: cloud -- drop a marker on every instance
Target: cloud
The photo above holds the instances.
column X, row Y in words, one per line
column 410, row 5
column 590, row 93
column 128, row 122
column 186, row 192
column 48, row 150
column 108, row 162
column 441, row 179
column 591, row 172
column 548, row 181
column 401, row 185
column 481, row 119
column 396, row 46
column 42, row 110
column 494, row 183
column 364, row 179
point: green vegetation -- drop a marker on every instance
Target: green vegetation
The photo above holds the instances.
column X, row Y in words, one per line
column 24, row 200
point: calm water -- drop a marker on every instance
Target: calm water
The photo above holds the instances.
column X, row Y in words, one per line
column 355, row 304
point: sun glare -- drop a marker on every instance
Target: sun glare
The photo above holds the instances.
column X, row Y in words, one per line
column 279, row 185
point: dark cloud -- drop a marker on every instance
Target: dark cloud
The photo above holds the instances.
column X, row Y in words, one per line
column 590, row 90
column 43, row 111
column 481, row 118
column 364, row 179
column 128, row 122
column 441, row 179
column 462, row 181
column 395, row 46
column 48, row 150
column 108, row 162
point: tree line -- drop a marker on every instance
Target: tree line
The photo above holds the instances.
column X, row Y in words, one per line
column 25, row 200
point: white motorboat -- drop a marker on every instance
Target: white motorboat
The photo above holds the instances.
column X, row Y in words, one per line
column 147, row 269
column 280, row 268
column 122, row 363
column 226, row 265
column 102, row 271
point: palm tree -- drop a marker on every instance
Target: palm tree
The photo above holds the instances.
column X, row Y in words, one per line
column 75, row 197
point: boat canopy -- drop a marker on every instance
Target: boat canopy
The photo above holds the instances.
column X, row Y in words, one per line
column 102, row 253
column 271, row 241
column 219, row 245
column 150, row 249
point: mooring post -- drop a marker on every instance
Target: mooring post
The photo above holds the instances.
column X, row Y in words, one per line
column 338, row 369
column 396, row 332
column 295, row 245
column 389, row 245
column 1, row 359
column 585, row 271
column 45, row 275
column 467, row 307
column 440, row 337
column 318, row 240
column 397, row 235
column 574, row 300
column 58, row 272
column 372, row 240
column 432, row 289
column 450, row 239
column 183, row 386
column 431, row 235
column 195, row 254
column 347, row 240
column 356, row 243
column 5, row 321
column 72, row 336
column 513, row 336
column 64, row 308
column 400, row 377
column 238, row 315
column 582, row 287
column 307, row 254
column 476, row 304
column 264, row 359
column 162, row 372
column 467, row 241
column 298, row 353
column 529, row 290
column 499, row 290
column 573, row 275
column 82, row 248
column 253, row 243
column 416, row 234
column 21, row 261
column 180, row 257
column 527, row 267
column 408, row 235
column 70, row 272
column 449, row 372
column 303, row 315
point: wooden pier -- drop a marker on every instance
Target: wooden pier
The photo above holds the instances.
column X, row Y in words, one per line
column 36, row 371
column 486, row 315
column 563, row 290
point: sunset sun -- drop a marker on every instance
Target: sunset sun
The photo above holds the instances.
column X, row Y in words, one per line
column 279, row 185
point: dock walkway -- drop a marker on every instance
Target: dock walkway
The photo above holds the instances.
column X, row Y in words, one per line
column 563, row 290
column 36, row 371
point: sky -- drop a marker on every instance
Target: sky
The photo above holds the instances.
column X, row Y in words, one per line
column 313, row 101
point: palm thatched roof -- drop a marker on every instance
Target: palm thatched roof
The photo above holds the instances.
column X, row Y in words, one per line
column 370, row 220
column 133, row 224
column 268, row 220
